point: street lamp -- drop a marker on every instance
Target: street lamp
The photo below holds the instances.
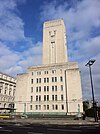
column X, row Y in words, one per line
column 89, row 64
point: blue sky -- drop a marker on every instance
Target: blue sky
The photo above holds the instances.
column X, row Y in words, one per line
column 21, row 24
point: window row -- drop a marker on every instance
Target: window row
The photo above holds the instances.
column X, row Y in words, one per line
column 47, row 107
column 47, row 80
column 47, row 88
column 46, row 72
column 47, row 98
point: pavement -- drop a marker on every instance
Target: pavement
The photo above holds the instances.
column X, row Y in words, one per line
column 55, row 121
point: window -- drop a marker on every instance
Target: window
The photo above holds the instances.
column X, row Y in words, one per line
column 31, row 81
column 62, row 107
column 36, row 107
column 53, row 107
column 53, row 71
column 36, row 98
column 52, row 88
column 61, row 87
column 47, row 97
column 39, row 98
column 39, row 80
column 31, row 98
column 39, row 107
column 47, row 88
column 31, row 89
column 44, row 80
column 30, row 107
column 5, row 92
column 32, row 73
column 55, row 88
column 44, row 88
column 61, row 78
column 9, row 92
column 45, row 72
column 52, row 79
column 56, row 107
column 36, row 89
column 62, row 98
column 47, row 107
column 55, row 97
column 55, row 79
column 47, row 79
column 44, row 97
column 39, row 89
column 44, row 107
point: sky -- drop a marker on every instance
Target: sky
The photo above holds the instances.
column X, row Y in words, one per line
column 21, row 27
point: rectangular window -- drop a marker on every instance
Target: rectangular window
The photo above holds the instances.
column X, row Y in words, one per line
column 44, row 80
column 55, row 88
column 55, row 97
column 30, row 107
column 36, row 89
column 52, row 79
column 31, row 98
column 62, row 107
column 36, row 98
column 52, row 88
column 53, row 71
column 62, row 98
column 56, row 107
column 44, row 88
column 47, row 79
column 44, row 107
column 39, row 80
column 55, row 79
column 44, row 97
column 47, row 88
column 61, row 87
column 39, row 98
column 39, row 107
column 61, row 78
column 31, row 81
column 39, row 89
column 36, row 107
column 31, row 89
column 32, row 73
column 53, row 107
column 47, row 97
column 47, row 107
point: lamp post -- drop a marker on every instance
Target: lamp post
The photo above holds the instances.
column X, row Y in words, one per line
column 89, row 64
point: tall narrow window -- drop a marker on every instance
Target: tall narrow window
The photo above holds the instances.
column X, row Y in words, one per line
column 36, row 98
column 61, row 78
column 47, row 88
column 62, row 98
column 47, row 97
column 61, row 87
column 55, row 88
column 44, row 88
column 55, row 79
column 31, row 98
column 55, row 97
column 47, row 107
column 39, row 89
column 56, row 107
column 39, row 98
column 44, row 97
column 31, row 89
column 44, row 80
column 47, row 79
column 62, row 107
column 31, row 81
column 30, row 107
column 52, row 88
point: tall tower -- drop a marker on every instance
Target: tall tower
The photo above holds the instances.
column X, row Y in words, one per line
column 54, row 42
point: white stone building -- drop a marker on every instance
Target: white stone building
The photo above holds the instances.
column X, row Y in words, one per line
column 7, row 93
column 55, row 86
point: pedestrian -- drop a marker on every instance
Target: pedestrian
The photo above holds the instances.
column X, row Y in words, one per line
column 84, row 115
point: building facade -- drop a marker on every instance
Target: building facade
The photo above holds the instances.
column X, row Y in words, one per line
column 55, row 86
column 7, row 93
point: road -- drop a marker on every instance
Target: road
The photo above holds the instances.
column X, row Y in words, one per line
column 11, row 128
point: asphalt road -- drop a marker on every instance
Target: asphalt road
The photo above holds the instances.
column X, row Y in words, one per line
column 48, row 129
